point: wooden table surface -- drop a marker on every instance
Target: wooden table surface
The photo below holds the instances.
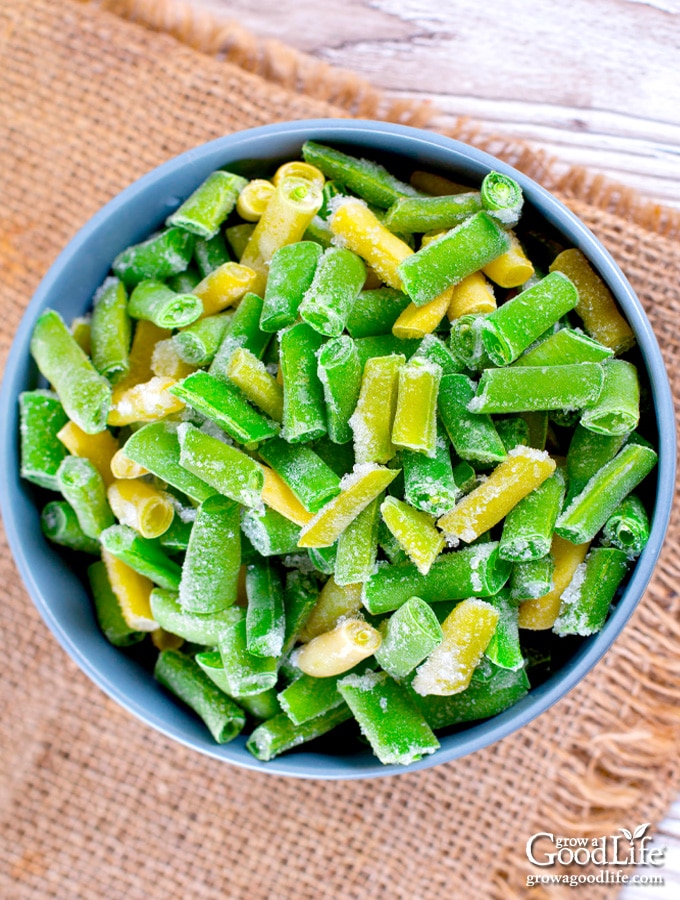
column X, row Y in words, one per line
column 593, row 82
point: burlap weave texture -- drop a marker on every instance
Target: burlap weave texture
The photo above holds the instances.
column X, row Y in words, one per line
column 95, row 804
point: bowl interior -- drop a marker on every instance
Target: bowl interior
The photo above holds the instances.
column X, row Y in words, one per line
column 55, row 579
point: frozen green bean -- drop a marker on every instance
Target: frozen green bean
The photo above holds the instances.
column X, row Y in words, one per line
column 229, row 471
column 369, row 180
column 198, row 343
column 160, row 257
column 304, row 412
column 277, row 735
column 528, row 527
column 340, row 372
column 223, row 404
column 181, row 675
column 270, row 533
column 83, row 487
column 375, row 312
column 587, row 598
column 84, row 394
column 409, row 635
column 208, row 206
column 473, row 571
column 473, row 435
column 156, row 447
column 617, row 410
column 291, row 272
column 389, row 719
column 517, row 323
column 305, row 473
column 142, row 555
column 60, row 525
column 628, row 527
column 465, row 249
column 111, row 330
column 357, row 547
column 588, row 511
column 156, row 302
column 421, row 214
column 265, row 614
column 531, row 388
column 209, row 575
column 41, row 418
column 328, row 301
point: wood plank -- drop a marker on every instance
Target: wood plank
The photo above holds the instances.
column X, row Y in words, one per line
column 593, row 83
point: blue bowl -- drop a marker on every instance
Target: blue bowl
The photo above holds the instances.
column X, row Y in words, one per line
column 58, row 591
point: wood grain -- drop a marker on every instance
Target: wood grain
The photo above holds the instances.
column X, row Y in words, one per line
column 594, row 82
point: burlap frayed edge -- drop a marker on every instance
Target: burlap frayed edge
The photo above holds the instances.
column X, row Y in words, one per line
column 276, row 62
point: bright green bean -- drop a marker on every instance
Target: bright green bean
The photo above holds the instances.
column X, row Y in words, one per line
column 154, row 301
column 59, row 523
column 340, row 371
column 83, row 487
column 444, row 262
column 82, row 391
column 41, row 417
column 291, row 272
column 142, row 555
column 209, row 575
column 223, row 467
column 111, row 331
column 181, row 675
column 208, row 206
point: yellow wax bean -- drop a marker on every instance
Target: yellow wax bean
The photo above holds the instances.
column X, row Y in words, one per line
column 145, row 402
column 124, row 467
column 361, row 232
column 224, row 286
column 166, row 362
column 540, row 614
column 512, row 268
column 165, row 640
column 299, row 169
column 291, row 208
column 523, row 470
column 334, row 601
column 596, row 305
column 278, row 496
column 253, row 199
column 250, row 375
column 99, row 448
column 417, row 321
column 436, row 185
column 339, row 650
column 133, row 592
column 414, row 531
column 472, row 295
column 81, row 329
column 141, row 506
column 357, row 490
column 431, row 236
column 146, row 336
column 415, row 421
column 373, row 416
column 467, row 631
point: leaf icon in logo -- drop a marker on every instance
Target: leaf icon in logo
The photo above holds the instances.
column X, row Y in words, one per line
column 640, row 830
column 626, row 833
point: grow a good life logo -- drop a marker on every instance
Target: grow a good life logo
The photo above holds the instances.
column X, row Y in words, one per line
column 609, row 858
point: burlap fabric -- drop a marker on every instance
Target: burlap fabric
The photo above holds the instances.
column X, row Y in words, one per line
column 95, row 804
